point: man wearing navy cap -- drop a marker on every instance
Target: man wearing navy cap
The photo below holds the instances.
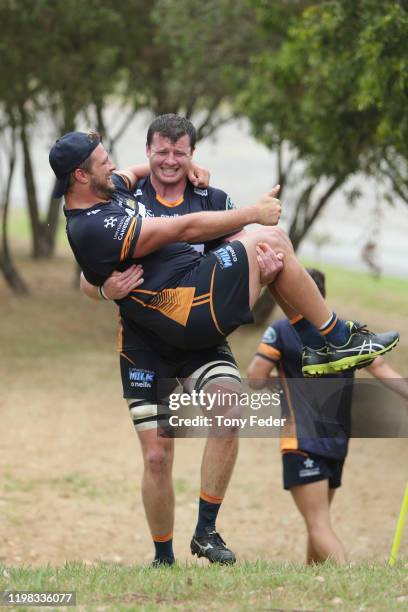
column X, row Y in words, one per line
column 69, row 153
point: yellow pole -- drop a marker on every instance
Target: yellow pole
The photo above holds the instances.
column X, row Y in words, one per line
column 398, row 532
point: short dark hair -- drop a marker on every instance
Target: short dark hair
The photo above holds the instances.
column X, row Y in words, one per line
column 173, row 127
column 319, row 278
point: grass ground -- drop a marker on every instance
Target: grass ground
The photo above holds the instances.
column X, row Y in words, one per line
column 70, row 469
column 247, row 586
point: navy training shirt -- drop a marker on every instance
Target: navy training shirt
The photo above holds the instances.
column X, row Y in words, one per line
column 194, row 199
column 318, row 410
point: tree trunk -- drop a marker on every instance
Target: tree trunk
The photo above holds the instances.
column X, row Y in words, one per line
column 51, row 228
column 39, row 242
column 13, row 278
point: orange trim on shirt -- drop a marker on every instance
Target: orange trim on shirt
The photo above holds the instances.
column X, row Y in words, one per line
column 128, row 240
column 177, row 202
column 288, row 444
column 294, row 451
column 288, row 439
column 295, row 319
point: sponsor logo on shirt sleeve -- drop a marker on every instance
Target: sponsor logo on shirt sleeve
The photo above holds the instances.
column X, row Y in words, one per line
column 118, row 225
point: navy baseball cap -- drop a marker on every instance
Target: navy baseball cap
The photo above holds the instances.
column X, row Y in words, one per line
column 67, row 154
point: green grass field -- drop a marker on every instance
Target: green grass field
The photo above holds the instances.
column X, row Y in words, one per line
column 255, row 586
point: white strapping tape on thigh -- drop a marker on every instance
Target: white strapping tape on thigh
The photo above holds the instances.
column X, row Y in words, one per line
column 210, row 371
column 147, row 416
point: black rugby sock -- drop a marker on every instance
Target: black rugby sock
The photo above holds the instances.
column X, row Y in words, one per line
column 208, row 509
column 164, row 546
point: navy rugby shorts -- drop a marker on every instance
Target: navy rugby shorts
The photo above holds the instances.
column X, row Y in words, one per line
column 301, row 468
column 223, row 281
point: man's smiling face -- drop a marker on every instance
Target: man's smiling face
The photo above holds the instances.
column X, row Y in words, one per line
column 169, row 161
column 100, row 173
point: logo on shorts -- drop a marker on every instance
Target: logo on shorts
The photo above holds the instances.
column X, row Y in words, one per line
column 226, row 256
column 141, row 378
column 310, row 469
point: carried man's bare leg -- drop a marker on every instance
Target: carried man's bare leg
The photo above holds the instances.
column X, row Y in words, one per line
column 331, row 345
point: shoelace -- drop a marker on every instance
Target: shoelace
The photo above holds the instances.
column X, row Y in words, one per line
column 217, row 538
column 361, row 328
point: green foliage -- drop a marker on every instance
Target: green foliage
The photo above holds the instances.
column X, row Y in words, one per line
column 343, row 74
column 82, row 67
column 305, row 93
column 194, row 58
column 383, row 49
column 329, row 96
